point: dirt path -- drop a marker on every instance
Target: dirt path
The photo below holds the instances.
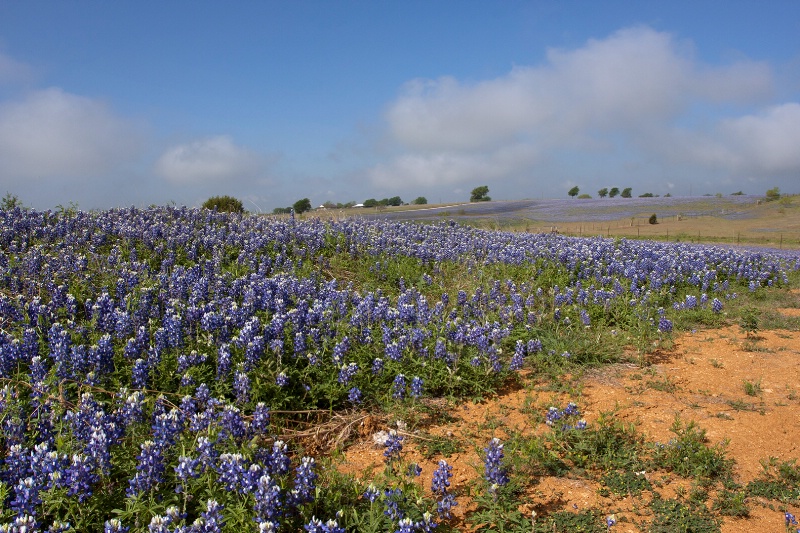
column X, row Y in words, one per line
column 744, row 391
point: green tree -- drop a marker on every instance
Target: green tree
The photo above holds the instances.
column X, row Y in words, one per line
column 653, row 219
column 281, row 210
column 613, row 192
column 224, row 204
column 602, row 193
column 626, row 192
column 479, row 194
column 370, row 202
column 395, row 201
column 574, row 191
column 420, row 200
column 301, row 206
column 646, row 195
column 773, row 194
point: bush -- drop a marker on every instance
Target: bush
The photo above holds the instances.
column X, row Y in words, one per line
column 421, row 200
column 224, row 204
column 773, row 194
column 653, row 219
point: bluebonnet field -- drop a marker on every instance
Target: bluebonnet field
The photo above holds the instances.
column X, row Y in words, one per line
column 596, row 210
column 150, row 360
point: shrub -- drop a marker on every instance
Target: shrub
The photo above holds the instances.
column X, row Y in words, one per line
column 653, row 219
column 224, row 204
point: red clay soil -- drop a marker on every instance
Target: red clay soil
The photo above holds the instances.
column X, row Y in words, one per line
column 702, row 379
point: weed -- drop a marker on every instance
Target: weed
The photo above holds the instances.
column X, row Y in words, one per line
column 689, row 456
column 752, row 388
column 670, row 516
column 732, row 503
column 434, row 445
column 717, row 364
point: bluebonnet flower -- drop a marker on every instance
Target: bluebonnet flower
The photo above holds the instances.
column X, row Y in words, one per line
column 664, row 325
column 149, row 469
column 494, row 472
column 391, row 501
column 304, row 481
column 372, row 493
column 241, row 387
column 414, row 470
column 611, row 521
column 26, row 497
column 518, row 360
column 347, row 372
column 427, row 524
column 416, row 387
column 278, row 462
column 80, row 477
column 377, row 365
column 399, row 387
column 186, row 469
column 394, row 446
column 282, row 379
column 231, row 467
column 405, row 525
column 261, row 416
column 211, row 519
column 267, row 500
column 207, row 453
column 354, row 395
column 789, row 518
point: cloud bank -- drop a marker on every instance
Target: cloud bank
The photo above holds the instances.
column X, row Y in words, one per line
column 52, row 133
column 207, row 161
column 637, row 95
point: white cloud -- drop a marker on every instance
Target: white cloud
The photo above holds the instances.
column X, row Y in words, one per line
column 12, row 71
column 51, row 133
column 210, row 160
column 766, row 142
column 627, row 92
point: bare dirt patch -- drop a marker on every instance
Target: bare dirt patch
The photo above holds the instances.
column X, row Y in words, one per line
column 744, row 391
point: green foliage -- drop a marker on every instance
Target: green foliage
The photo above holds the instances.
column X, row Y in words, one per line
column 479, row 194
column 420, row 200
column 370, row 202
column 281, row 210
column 653, row 219
column 584, row 196
column 773, row 194
column 574, row 191
column 10, row 201
column 672, row 516
column 646, row 195
column 301, row 206
column 613, row 192
column 224, row 204
column 780, row 480
column 752, row 388
column 689, row 456
column 626, row 192
column 737, row 193
column 602, row 193
column 749, row 321
column 436, row 445
column 732, row 503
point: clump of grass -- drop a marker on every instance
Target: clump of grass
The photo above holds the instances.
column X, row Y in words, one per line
column 671, row 515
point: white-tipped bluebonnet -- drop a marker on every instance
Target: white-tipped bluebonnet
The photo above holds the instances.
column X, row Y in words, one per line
column 267, row 500
column 416, row 387
column 347, row 372
column 494, row 471
column 399, row 387
column 304, row 481
column 282, row 379
column 394, row 446
column 149, row 469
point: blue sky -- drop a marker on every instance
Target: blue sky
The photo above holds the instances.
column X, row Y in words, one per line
column 131, row 103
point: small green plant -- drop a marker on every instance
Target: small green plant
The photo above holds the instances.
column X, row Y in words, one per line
column 731, row 503
column 689, row 456
column 716, row 363
column 670, row 516
column 749, row 321
column 434, row 445
column 752, row 388
column 653, row 219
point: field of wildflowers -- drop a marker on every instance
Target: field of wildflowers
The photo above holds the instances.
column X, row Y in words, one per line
column 152, row 361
